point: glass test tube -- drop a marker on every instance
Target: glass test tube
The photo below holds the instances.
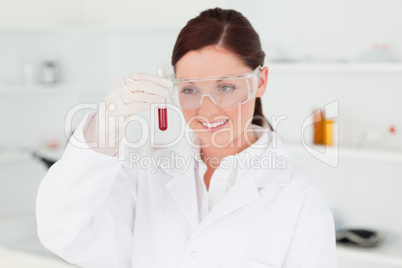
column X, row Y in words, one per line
column 162, row 109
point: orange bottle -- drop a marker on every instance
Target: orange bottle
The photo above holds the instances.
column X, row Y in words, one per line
column 318, row 127
column 327, row 139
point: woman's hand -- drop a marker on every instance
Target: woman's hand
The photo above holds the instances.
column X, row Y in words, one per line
column 129, row 95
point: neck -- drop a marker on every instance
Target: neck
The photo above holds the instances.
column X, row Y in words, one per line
column 235, row 147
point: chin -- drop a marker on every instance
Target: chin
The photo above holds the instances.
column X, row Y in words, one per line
column 219, row 139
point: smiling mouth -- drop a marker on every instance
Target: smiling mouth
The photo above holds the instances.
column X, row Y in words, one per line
column 214, row 125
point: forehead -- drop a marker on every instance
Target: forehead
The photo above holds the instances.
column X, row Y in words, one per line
column 209, row 61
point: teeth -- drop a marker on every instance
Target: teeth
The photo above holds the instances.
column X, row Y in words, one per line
column 214, row 124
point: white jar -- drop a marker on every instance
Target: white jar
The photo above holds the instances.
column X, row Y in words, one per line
column 49, row 75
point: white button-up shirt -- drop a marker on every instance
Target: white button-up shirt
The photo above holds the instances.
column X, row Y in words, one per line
column 223, row 178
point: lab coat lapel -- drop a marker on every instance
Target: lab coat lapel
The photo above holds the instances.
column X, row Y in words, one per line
column 182, row 189
column 182, row 186
column 246, row 189
column 241, row 194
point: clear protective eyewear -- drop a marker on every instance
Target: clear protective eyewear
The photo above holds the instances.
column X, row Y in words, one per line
column 223, row 91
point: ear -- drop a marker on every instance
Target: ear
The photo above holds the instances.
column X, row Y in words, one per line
column 262, row 84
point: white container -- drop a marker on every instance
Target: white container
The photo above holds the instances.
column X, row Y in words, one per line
column 49, row 73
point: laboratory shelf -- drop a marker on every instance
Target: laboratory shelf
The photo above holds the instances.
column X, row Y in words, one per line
column 348, row 152
column 51, row 154
column 10, row 90
column 380, row 155
column 15, row 90
column 12, row 258
column 387, row 255
column 14, row 155
column 336, row 67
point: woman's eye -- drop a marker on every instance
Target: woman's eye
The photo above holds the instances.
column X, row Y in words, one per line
column 226, row 89
column 189, row 90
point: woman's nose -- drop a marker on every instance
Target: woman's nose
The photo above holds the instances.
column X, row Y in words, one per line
column 207, row 106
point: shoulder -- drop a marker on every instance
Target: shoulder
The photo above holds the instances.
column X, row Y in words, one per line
column 301, row 178
column 310, row 197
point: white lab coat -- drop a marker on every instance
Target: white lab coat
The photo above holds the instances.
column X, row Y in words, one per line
column 95, row 211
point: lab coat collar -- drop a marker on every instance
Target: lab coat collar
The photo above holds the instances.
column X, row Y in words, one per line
column 272, row 164
column 249, row 180
column 182, row 185
column 266, row 160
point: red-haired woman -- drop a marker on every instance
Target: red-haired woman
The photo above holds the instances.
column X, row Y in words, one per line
column 237, row 200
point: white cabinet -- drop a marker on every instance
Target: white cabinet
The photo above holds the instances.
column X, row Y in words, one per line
column 120, row 14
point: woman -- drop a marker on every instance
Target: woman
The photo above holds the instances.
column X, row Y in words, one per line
column 96, row 211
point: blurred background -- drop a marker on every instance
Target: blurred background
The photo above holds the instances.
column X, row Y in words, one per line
column 340, row 56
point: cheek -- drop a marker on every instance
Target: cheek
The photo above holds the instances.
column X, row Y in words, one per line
column 248, row 111
column 189, row 115
column 240, row 115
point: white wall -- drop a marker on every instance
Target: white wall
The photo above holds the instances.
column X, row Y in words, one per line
column 322, row 30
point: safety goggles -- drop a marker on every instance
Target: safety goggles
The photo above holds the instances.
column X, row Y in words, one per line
column 223, row 91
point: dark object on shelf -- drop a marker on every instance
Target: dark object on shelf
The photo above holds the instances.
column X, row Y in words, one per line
column 49, row 73
column 44, row 160
column 358, row 237
column 48, row 157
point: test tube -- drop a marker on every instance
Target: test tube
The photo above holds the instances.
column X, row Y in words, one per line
column 162, row 108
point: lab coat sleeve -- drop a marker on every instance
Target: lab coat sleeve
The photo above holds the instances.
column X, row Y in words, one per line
column 85, row 207
column 313, row 242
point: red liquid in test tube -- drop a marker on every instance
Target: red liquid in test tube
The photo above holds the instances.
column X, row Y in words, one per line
column 162, row 110
column 162, row 118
